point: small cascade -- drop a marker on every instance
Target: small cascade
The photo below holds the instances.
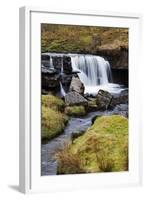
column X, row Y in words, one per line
column 95, row 72
column 62, row 91
column 51, row 62
column 62, row 71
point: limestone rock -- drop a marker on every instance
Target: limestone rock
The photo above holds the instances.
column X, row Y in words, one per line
column 77, row 86
column 103, row 99
column 74, row 98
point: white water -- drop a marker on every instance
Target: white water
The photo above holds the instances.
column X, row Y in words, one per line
column 62, row 91
column 95, row 72
column 51, row 62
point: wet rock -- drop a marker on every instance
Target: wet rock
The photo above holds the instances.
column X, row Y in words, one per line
column 50, row 82
column 67, row 66
column 57, row 62
column 77, row 86
column 121, row 109
column 103, row 100
column 49, row 71
column 74, row 98
column 116, row 54
column 121, row 98
column 92, row 106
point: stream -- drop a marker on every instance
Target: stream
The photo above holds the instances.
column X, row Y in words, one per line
column 48, row 150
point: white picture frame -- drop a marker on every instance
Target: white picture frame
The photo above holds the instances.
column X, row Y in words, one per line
column 30, row 88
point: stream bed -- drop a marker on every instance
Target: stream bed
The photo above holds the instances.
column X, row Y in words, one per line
column 48, row 150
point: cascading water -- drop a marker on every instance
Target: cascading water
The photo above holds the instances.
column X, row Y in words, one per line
column 51, row 62
column 95, row 72
column 62, row 91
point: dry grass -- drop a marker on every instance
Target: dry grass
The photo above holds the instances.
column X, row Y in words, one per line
column 68, row 163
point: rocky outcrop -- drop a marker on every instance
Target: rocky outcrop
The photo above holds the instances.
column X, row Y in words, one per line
column 74, row 98
column 50, row 78
column 103, row 100
column 67, row 67
column 121, row 98
column 121, row 109
column 56, row 69
column 77, row 86
column 116, row 55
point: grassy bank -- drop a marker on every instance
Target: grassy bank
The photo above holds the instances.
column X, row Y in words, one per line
column 103, row 148
column 53, row 118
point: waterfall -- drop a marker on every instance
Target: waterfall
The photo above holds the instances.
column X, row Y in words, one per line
column 51, row 62
column 62, row 91
column 62, row 71
column 95, row 72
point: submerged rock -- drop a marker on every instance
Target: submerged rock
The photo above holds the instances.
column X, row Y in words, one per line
column 103, row 100
column 77, row 86
column 74, row 98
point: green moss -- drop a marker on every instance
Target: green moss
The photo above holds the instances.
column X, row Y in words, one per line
column 53, row 123
column 92, row 106
column 75, row 111
column 53, row 102
column 53, row 119
column 104, row 146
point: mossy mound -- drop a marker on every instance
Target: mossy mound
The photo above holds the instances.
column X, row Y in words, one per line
column 53, row 102
column 103, row 147
column 75, row 111
column 53, row 120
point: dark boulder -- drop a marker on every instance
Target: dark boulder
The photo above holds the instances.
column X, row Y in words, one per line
column 67, row 66
column 103, row 100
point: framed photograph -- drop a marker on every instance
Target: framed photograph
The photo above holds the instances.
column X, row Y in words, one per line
column 79, row 100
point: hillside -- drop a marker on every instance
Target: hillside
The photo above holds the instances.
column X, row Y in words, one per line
column 82, row 39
